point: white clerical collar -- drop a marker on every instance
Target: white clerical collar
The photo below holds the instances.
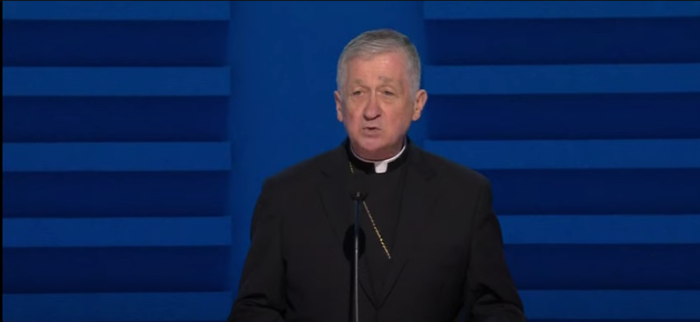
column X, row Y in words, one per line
column 380, row 166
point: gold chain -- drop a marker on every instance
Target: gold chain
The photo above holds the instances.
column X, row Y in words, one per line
column 376, row 230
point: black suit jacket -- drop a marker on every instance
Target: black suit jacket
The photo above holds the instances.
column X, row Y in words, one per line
column 448, row 262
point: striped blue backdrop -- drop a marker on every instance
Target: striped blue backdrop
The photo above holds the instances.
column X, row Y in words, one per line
column 136, row 136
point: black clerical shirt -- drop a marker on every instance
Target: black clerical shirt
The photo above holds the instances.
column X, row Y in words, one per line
column 384, row 194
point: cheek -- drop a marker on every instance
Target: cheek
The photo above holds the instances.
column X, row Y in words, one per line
column 402, row 119
column 351, row 115
column 352, row 118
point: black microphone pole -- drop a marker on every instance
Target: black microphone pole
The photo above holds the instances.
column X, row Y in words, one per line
column 358, row 197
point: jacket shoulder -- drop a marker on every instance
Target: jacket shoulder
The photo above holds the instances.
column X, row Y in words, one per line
column 302, row 171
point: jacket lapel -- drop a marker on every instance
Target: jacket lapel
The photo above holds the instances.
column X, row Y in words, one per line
column 339, row 210
column 421, row 192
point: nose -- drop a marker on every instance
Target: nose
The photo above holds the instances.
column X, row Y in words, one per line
column 372, row 109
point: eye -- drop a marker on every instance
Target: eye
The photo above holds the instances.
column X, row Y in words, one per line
column 356, row 93
column 388, row 93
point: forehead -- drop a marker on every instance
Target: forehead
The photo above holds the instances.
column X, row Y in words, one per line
column 390, row 67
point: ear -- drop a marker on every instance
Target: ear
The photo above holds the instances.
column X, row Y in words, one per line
column 421, row 98
column 338, row 106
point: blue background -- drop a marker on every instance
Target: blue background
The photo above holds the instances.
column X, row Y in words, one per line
column 136, row 136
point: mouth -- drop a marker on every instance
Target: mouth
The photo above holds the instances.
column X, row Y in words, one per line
column 371, row 131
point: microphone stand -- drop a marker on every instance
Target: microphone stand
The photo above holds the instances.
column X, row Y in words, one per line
column 358, row 197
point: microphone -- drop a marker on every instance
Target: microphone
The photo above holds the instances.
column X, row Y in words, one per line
column 358, row 193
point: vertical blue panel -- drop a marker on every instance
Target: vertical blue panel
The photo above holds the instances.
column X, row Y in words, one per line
column 583, row 114
column 116, row 161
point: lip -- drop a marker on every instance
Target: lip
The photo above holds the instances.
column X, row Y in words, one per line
column 371, row 131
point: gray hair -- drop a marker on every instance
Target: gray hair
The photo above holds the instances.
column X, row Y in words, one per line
column 380, row 41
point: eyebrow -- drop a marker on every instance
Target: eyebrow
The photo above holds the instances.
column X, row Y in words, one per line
column 386, row 79
column 397, row 84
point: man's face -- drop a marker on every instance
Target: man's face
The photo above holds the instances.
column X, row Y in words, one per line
column 377, row 107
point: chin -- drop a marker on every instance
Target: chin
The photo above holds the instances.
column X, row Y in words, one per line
column 371, row 144
column 372, row 147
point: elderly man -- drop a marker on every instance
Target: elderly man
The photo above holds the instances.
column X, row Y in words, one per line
column 431, row 244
